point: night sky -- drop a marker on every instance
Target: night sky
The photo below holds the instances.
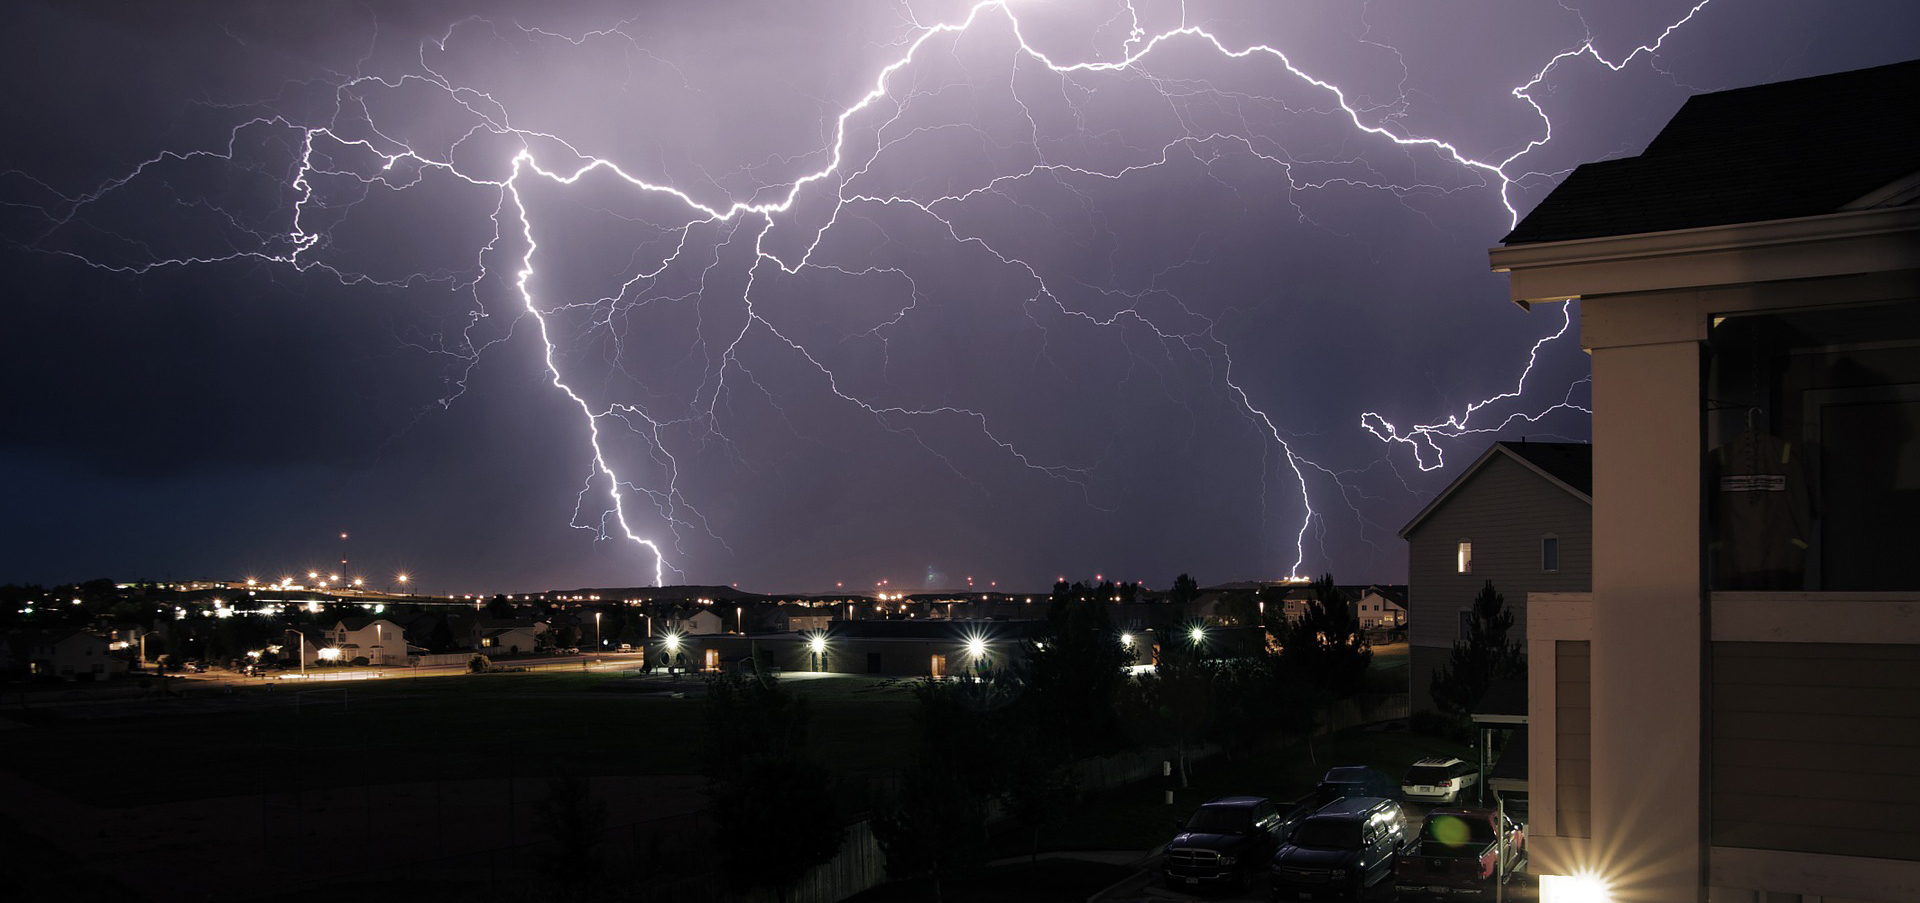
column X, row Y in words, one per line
column 1055, row 298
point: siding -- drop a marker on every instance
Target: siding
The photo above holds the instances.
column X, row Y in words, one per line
column 1504, row 508
column 1573, row 740
column 1814, row 748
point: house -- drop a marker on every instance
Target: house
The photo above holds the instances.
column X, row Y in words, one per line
column 380, row 641
column 802, row 619
column 1379, row 607
column 1730, row 712
column 1520, row 516
column 694, row 622
column 505, row 636
column 63, row 654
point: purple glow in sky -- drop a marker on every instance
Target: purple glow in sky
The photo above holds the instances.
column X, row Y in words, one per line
column 790, row 294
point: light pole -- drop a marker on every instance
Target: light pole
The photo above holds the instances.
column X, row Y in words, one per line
column 598, row 641
column 300, row 651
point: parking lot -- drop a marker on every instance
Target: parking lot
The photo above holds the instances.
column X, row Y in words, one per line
column 1146, row 886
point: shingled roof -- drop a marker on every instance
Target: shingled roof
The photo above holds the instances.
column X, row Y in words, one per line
column 1789, row 149
column 1569, row 462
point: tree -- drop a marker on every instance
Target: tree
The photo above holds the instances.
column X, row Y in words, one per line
column 1486, row 656
column 937, row 828
column 1174, row 704
column 1325, row 653
column 499, row 608
column 775, row 811
column 1185, row 590
column 1326, row 648
column 1071, row 679
column 1238, row 610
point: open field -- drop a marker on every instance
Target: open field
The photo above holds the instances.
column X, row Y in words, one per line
column 140, row 752
column 426, row 782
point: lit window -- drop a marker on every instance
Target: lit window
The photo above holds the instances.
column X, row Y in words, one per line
column 1550, row 553
column 1465, row 557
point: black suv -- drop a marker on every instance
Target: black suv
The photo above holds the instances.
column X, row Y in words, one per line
column 1226, row 842
column 1341, row 850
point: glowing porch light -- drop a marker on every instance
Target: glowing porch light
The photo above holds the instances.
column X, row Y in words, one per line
column 1581, row 887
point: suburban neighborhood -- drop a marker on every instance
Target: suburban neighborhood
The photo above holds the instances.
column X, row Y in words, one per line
column 1677, row 662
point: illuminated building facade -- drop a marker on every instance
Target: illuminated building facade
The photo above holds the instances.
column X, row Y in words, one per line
column 1730, row 713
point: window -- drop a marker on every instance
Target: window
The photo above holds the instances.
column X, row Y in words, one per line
column 1550, row 553
column 1464, row 559
column 1806, row 406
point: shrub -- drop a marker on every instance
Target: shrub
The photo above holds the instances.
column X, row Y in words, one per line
column 479, row 664
column 1442, row 725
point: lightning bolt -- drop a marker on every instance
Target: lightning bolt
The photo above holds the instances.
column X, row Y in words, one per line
column 784, row 230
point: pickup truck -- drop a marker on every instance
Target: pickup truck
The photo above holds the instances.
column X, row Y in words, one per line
column 1226, row 843
column 1458, row 856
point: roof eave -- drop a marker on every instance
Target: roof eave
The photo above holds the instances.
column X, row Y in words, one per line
column 1832, row 244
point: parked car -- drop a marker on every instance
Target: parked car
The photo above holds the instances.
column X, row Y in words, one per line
column 1355, row 780
column 1340, row 850
column 1226, row 842
column 1459, row 855
column 1438, row 779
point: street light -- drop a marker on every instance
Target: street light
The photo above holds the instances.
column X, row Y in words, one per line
column 673, row 649
column 817, row 644
column 598, row 641
column 301, row 648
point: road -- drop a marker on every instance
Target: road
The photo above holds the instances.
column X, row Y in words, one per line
column 608, row 661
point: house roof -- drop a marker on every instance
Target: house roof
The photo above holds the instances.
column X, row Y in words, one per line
column 1567, row 465
column 1395, row 593
column 1748, row 155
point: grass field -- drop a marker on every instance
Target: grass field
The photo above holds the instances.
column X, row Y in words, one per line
column 283, row 769
column 370, row 732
